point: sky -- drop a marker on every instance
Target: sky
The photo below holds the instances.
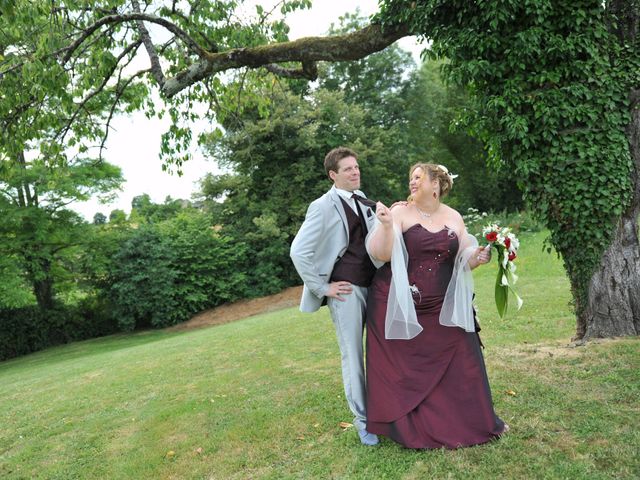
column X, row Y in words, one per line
column 134, row 141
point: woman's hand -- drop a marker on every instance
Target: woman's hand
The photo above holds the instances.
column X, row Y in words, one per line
column 482, row 255
column 384, row 215
column 381, row 243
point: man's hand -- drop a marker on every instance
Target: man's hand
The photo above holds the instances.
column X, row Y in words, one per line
column 337, row 289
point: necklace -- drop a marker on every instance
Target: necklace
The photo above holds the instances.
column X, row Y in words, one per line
column 426, row 215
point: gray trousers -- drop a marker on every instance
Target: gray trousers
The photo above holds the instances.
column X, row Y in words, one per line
column 348, row 318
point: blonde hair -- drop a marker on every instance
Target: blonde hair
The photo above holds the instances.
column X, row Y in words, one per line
column 436, row 172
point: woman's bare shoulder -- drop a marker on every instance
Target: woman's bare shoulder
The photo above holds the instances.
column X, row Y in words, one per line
column 450, row 211
column 401, row 210
column 454, row 219
column 398, row 204
column 400, row 207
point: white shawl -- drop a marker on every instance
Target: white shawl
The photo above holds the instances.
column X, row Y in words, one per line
column 401, row 322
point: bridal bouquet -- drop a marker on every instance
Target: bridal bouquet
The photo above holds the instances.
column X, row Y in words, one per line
column 506, row 244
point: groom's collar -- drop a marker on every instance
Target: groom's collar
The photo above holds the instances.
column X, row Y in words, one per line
column 347, row 194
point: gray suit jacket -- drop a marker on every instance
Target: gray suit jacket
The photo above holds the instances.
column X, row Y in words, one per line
column 320, row 242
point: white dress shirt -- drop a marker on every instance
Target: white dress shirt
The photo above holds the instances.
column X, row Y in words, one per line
column 347, row 197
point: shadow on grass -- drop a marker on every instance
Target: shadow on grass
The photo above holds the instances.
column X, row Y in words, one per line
column 88, row 348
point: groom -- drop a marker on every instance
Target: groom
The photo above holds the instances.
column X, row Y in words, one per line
column 330, row 256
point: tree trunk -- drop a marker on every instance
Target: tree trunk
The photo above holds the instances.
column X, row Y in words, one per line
column 614, row 291
column 43, row 290
column 613, row 307
column 39, row 274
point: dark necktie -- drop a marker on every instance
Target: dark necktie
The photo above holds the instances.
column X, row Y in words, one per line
column 367, row 203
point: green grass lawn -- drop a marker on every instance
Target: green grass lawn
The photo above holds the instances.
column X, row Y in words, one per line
column 262, row 398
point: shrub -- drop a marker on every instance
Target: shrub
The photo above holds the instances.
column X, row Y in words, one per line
column 29, row 329
column 142, row 282
column 164, row 273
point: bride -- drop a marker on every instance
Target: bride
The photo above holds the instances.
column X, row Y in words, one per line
column 427, row 385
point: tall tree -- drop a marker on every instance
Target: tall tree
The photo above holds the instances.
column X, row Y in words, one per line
column 36, row 228
column 375, row 82
column 557, row 87
column 51, row 115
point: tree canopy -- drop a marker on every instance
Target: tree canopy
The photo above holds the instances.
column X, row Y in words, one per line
column 555, row 85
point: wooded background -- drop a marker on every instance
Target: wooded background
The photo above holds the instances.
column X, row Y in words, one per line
column 533, row 104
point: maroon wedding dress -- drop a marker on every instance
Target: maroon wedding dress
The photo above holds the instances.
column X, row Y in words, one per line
column 431, row 391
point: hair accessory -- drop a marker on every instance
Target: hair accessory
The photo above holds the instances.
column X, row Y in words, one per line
column 445, row 170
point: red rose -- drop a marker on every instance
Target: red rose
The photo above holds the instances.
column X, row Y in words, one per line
column 512, row 256
column 491, row 237
column 507, row 242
